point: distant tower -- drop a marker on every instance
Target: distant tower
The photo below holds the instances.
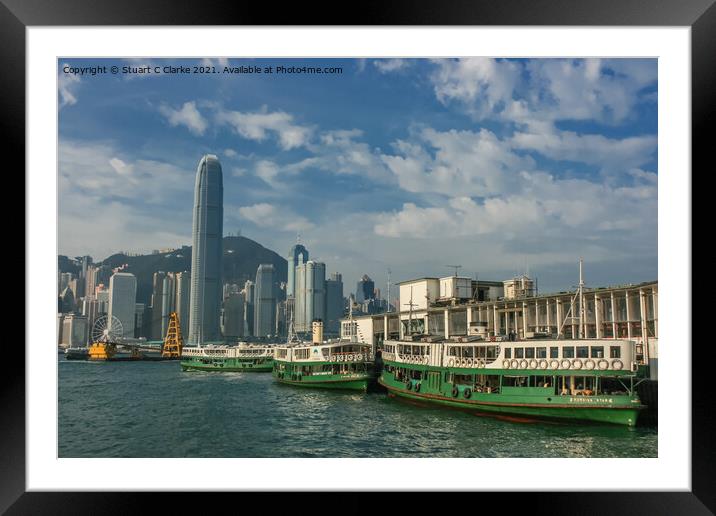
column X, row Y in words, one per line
column 297, row 254
column 265, row 302
column 123, row 301
column 205, row 295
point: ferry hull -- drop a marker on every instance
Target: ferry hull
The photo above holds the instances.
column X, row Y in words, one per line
column 521, row 406
column 352, row 384
column 229, row 366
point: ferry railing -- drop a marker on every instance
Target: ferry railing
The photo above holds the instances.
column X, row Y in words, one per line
column 351, row 357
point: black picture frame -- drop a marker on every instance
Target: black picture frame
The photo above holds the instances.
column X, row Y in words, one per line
column 699, row 15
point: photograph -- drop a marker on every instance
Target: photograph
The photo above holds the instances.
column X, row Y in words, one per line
column 357, row 257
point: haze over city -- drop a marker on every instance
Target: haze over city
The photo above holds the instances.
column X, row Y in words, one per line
column 502, row 166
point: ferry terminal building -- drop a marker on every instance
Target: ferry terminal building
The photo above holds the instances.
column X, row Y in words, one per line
column 460, row 307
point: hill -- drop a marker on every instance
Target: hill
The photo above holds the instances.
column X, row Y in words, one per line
column 242, row 256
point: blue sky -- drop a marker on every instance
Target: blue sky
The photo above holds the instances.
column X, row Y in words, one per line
column 498, row 165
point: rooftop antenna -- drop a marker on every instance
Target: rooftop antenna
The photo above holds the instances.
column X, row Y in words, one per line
column 298, row 238
column 456, row 267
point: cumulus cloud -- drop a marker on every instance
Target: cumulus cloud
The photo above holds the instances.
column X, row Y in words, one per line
column 258, row 126
column 557, row 210
column 131, row 203
column 188, row 115
column 455, row 162
column 538, row 90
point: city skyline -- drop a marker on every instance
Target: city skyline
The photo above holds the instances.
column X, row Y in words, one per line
column 501, row 165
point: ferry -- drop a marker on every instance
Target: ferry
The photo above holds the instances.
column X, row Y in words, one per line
column 591, row 380
column 333, row 364
column 243, row 357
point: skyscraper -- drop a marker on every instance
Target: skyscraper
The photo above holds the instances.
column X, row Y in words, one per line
column 183, row 280
column 365, row 289
column 297, row 255
column 205, row 305
column 310, row 294
column 123, row 301
column 265, row 302
column 249, row 308
column 334, row 303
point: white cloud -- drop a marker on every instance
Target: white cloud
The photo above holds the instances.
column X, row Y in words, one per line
column 67, row 84
column 257, row 127
column 390, row 65
column 538, row 90
column 464, row 163
column 556, row 210
column 188, row 116
column 592, row 149
column 108, row 201
column 230, row 153
column 268, row 216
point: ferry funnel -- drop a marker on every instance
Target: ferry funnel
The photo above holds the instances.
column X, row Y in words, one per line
column 317, row 331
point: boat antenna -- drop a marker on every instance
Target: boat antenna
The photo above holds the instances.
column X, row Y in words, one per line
column 410, row 312
column 350, row 318
column 581, row 301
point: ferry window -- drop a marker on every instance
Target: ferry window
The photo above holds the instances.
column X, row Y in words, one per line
column 553, row 352
column 541, row 352
column 529, row 352
column 615, row 352
column 568, row 352
column 508, row 352
column 597, row 351
column 492, row 352
column 519, row 353
column 582, row 351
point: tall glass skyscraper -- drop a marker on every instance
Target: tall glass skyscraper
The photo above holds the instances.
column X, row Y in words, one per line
column 265, row 302
column 205, row 295
column 298, row 254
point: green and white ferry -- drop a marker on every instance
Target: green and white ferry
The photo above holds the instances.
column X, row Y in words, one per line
column 333, row 364
column 243, row 357
column 588, row 379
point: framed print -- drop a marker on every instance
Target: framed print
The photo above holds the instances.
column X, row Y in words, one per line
column 420, row 252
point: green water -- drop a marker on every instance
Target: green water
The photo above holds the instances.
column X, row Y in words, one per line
column 153, row 409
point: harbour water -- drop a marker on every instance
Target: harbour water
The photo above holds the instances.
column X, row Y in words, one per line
column 153, row 409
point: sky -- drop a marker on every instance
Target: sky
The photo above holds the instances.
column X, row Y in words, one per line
column 502, row 166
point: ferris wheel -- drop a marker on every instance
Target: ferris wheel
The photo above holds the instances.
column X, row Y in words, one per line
column 107, row 330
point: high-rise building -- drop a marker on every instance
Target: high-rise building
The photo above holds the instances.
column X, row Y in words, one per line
column 67, row 301
column 334, row 303
column 234, row 315
column 123, row 301
column 183, row 283
column 74, row 331
column 365, row 289
column 298, row 254
column 63, row 280
column 169, row 294
column 205, row 305
column 310, row 294
column 249, row 308
column 265, row 301
column 157, row 303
